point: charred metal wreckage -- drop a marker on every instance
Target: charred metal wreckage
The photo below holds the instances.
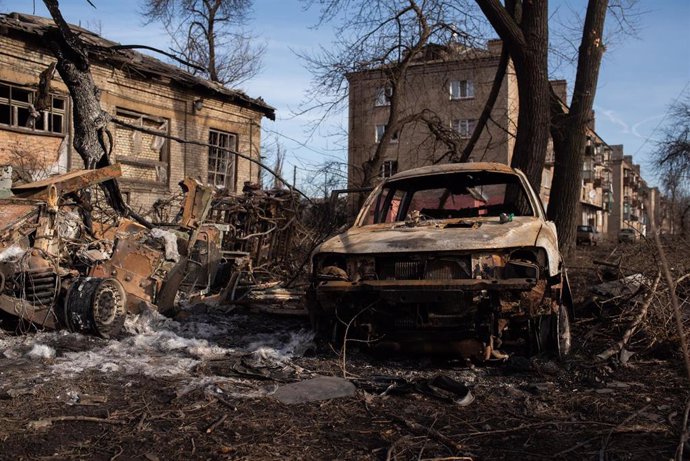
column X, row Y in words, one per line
column 456, row 258
column 57, row 272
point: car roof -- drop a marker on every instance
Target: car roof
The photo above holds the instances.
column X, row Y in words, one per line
column 453, row 168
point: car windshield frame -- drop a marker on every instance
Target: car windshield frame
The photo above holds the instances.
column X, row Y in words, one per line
column 466, row 184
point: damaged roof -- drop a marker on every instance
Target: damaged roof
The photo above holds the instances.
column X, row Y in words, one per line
column 106, row 51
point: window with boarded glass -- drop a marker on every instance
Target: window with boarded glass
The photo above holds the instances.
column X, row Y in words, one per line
column 18, row 110
column 221, row 163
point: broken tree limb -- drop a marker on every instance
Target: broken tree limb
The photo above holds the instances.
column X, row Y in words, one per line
column 427, row 431
column 121, row 122
column 642, row 313
column 92, row 139
column 672, row 292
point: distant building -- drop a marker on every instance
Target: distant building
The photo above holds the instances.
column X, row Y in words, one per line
column 139, row 89
column 628, row 208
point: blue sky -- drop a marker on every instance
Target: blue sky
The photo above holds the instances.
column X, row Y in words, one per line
column 639, row 78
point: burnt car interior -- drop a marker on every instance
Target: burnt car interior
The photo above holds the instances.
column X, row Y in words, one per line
column 450, row 196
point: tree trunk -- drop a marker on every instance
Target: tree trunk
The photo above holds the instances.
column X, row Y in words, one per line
column 570, row 129
column 525, row 34
column 92, row 140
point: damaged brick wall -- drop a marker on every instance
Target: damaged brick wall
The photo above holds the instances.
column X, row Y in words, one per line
column 147, row 179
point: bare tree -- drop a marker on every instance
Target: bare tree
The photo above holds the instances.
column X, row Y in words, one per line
column 672, row 161
column 210, row 34
column 384, row 36
column 569, row 128
column 525, row 35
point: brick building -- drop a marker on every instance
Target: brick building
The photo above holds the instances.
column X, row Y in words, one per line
column 139, row 89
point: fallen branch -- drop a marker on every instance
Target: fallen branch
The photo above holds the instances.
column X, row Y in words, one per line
column 47, row 422
column 213, row 426
column 618, row 347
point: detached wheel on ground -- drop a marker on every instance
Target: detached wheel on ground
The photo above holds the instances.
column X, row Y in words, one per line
column 550, row 334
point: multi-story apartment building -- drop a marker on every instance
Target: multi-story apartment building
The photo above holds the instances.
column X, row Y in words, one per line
column 453, row 83
column 629, row 189
column 140, row 90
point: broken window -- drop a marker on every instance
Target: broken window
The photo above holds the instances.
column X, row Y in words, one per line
column 449, row 196
column 461, row 89
column 144, row 155
column 17, row 110
column 221, row 163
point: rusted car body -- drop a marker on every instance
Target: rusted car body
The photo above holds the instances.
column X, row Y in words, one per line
column 454, row 258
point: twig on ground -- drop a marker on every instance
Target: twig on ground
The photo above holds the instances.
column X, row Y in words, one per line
column 220, row 421
column 433, row 433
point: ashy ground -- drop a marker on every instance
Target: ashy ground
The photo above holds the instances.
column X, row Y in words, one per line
column 201, row 388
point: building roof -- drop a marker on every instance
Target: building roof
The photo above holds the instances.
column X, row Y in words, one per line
column 106, row 51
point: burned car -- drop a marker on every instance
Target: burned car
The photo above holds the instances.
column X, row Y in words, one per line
column 455, row 258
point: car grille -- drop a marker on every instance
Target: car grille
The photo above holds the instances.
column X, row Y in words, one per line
column 424, row 268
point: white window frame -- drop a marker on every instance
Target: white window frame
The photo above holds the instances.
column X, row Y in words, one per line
column 461, row 89
column 464, row 127
column 217, row 175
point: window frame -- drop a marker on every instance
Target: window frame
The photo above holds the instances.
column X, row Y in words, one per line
column 382, row 96
column 230, row 173
column 48, row 116
column 469, row 124
column 468, row 88
column 388, row 168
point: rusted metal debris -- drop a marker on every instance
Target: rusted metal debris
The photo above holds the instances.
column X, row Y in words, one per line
column 55, row 271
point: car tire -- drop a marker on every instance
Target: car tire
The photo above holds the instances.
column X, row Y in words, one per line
column 550, row 334
column 563, row 338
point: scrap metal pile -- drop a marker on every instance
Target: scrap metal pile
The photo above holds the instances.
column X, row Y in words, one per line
column 58, row 271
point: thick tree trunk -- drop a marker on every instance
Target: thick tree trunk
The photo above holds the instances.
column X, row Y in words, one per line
column 570, row 129
column 92, row 140
column 525, row 34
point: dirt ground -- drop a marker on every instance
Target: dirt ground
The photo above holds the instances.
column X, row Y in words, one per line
column 201, row 388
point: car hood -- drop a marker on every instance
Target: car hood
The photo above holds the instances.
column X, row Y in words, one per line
column 448, row 235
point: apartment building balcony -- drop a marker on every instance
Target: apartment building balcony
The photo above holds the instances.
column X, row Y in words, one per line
column 587, row 176
column 599, row 159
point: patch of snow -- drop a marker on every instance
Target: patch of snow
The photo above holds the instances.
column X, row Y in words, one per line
column 11, row 252
column 41, row 351
column 170, row 240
